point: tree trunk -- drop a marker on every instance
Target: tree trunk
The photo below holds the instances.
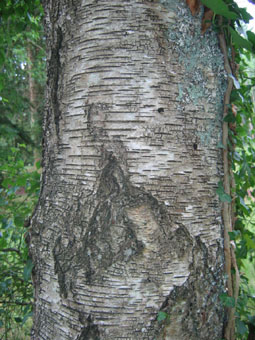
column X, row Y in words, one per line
column 127, row 235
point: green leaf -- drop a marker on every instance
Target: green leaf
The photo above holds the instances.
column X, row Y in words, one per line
column 251, row 319
column 161, row 316
column 21, row 181
column 20, row 163
column 18, row 319
column 230, row 118
column 239, row 40
column 220, row 145
column 233, row 235
column 27, row 270
column 251, row 37
column 38, row 165
column 244, row 15
column 221, row 193
column 241, row 327
column 19, row 221
column 249, row 241
column 220, row 7
column 22, row 146
column 27, row 316
column 237, row 157
column 3, row 243
column 228, row 301
column 243, row 204
column 6, row 183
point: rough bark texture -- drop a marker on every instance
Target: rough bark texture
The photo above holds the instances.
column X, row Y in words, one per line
column 129, row 223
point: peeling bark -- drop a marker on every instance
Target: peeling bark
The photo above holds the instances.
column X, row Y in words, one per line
column 128, row 222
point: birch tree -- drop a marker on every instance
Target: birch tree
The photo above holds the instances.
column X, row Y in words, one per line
column 127, row 236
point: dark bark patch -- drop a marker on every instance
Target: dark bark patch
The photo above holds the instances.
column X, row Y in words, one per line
column 161, row 110
column 199, row 315
column 54, row 71
column 111, row 235
column 90, row 332
column 63, row 257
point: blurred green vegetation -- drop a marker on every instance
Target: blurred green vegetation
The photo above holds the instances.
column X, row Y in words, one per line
column 22, row 82
column 243, row 165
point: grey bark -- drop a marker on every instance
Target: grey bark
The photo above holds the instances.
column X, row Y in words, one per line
column 129, row 223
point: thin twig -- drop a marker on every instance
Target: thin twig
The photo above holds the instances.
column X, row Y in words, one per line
column 6, row 250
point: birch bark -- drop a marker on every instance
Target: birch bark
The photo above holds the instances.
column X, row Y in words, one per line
column 128, row 222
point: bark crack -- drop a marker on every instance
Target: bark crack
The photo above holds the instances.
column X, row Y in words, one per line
column 90, row 331
column 188, row 303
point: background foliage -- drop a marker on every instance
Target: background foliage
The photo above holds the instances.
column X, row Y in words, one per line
column 22, row 66
column 243, row 165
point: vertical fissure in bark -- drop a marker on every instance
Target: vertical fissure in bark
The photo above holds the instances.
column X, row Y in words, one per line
column 90, row 330
column 55, row 68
